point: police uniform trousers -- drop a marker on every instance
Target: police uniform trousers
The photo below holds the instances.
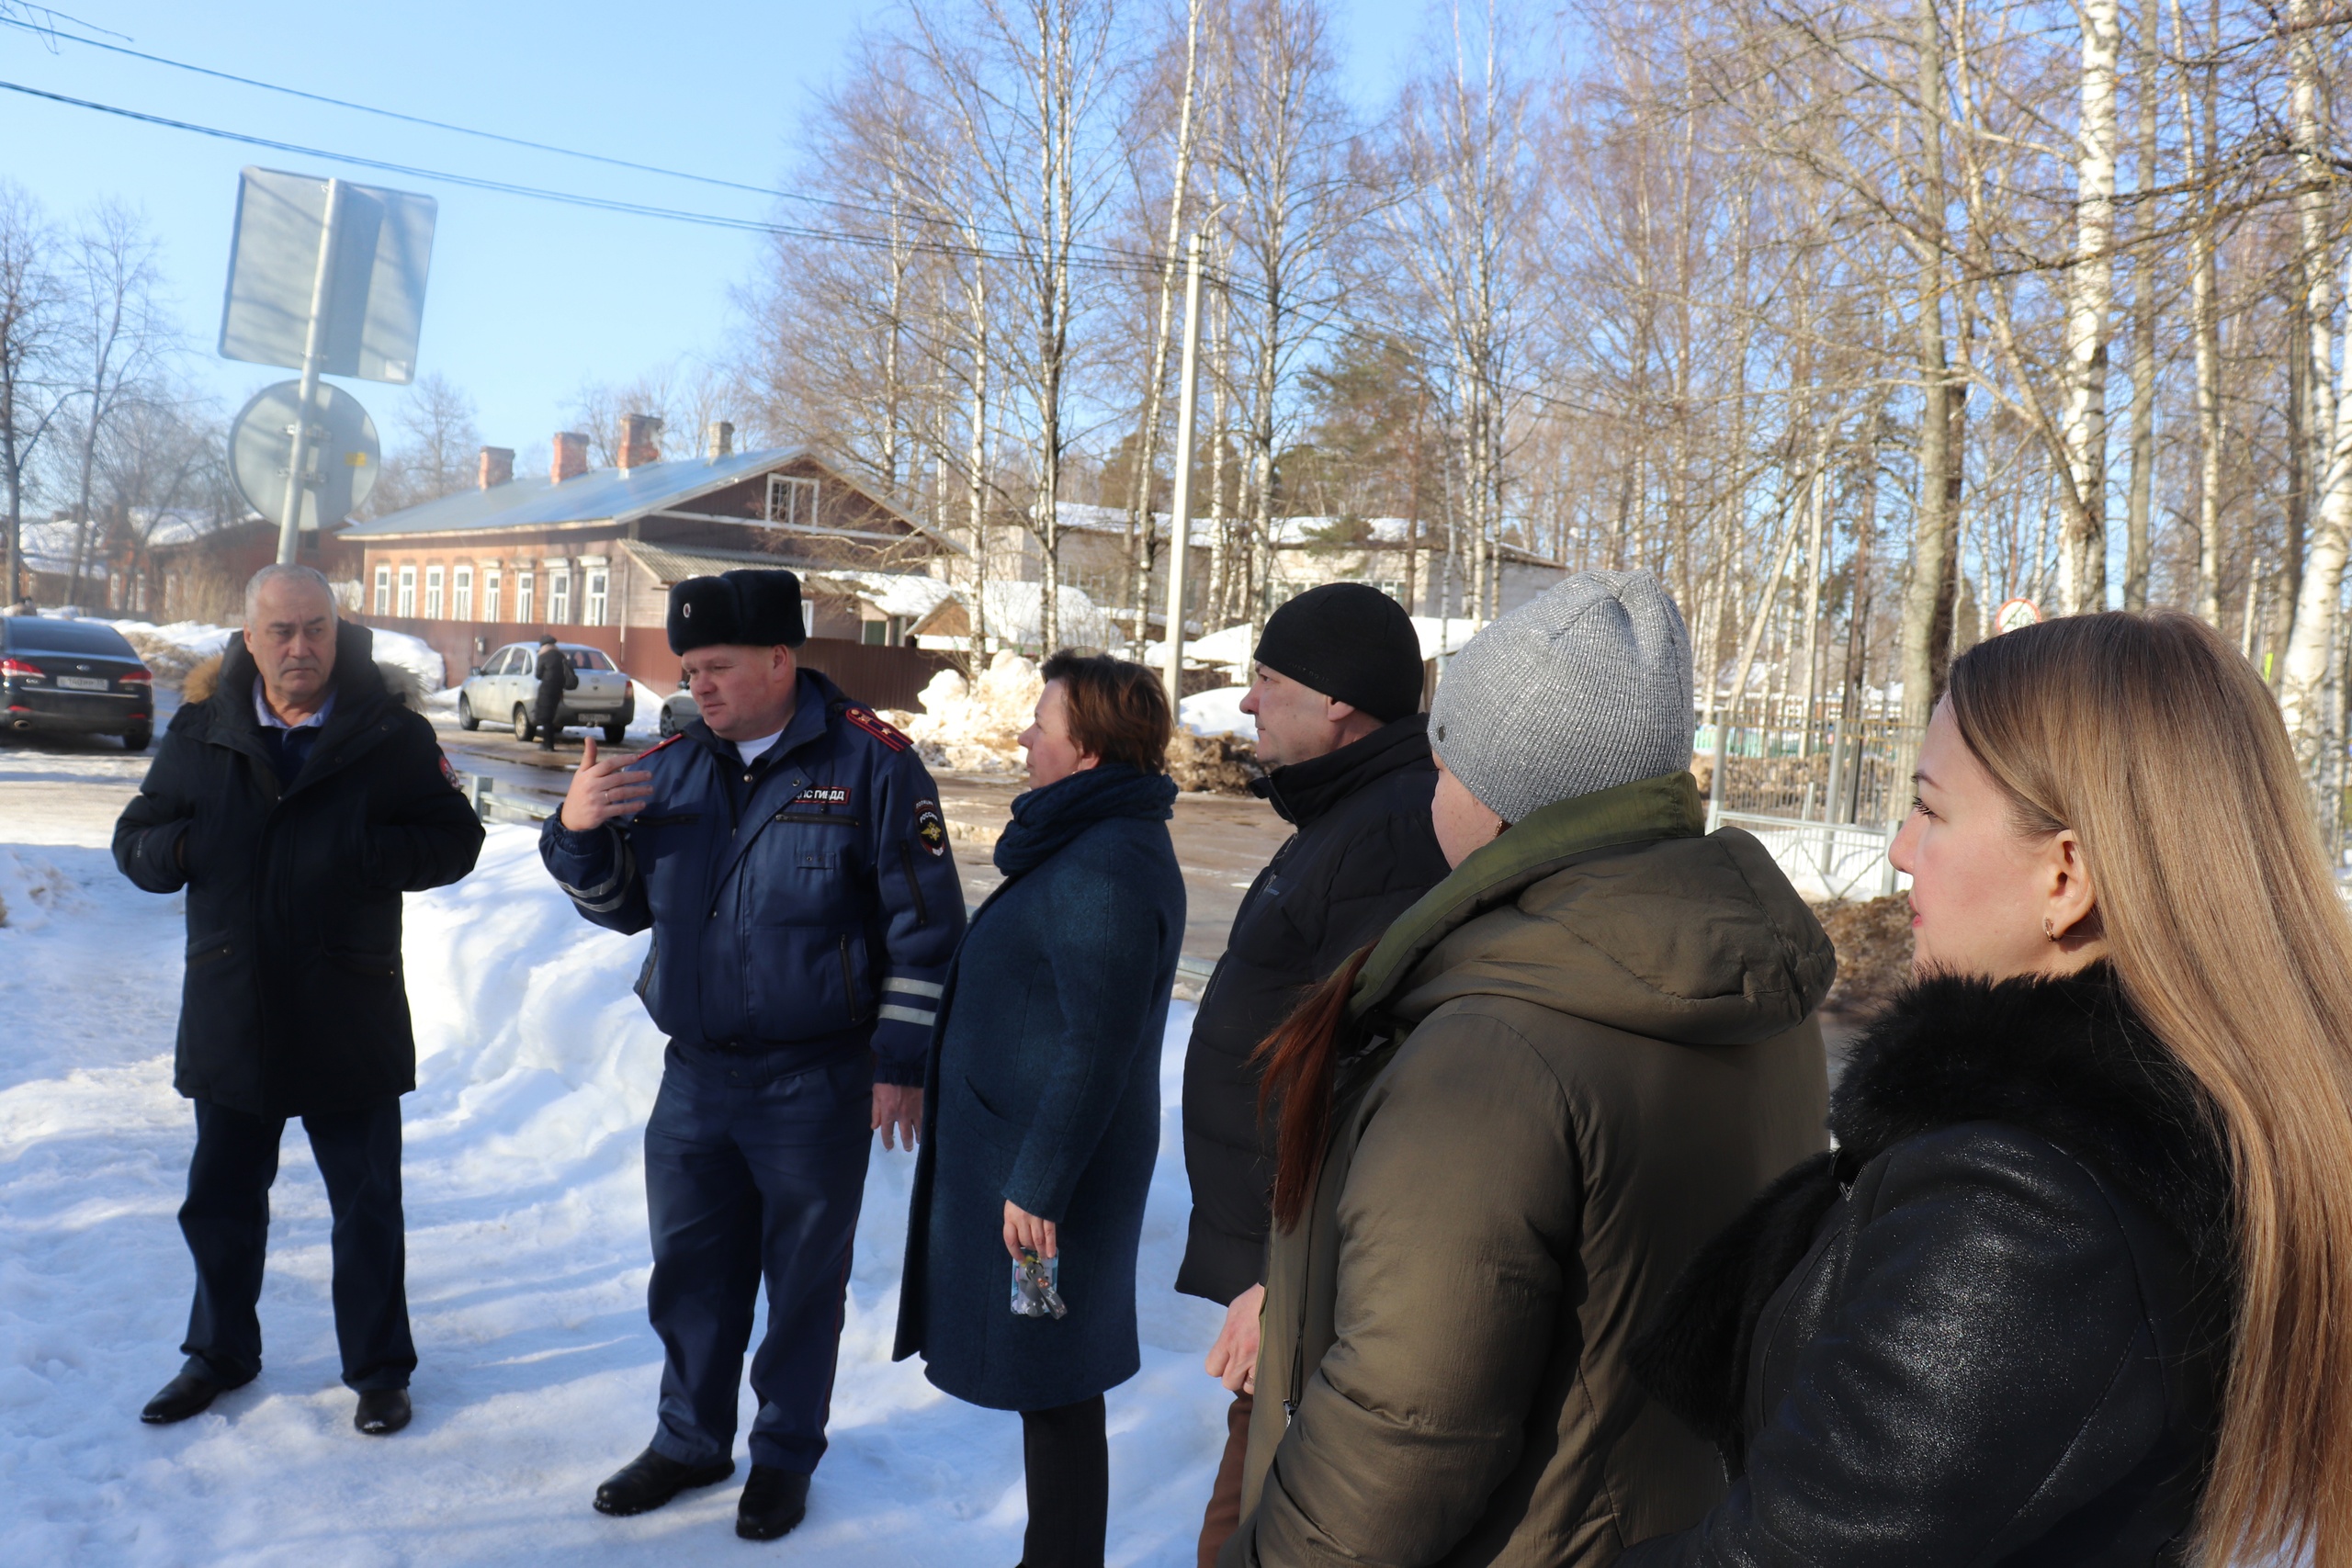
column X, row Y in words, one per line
column 226, row 1220
column 754, row 1168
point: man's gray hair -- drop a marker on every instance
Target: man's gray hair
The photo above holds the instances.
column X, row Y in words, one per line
column 283, row 573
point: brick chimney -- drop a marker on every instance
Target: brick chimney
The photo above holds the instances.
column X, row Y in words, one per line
column 718, row 439
column 640, row 441
column 570, row 456
column 497, row 467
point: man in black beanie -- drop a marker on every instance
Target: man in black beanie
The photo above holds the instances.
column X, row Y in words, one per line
column 1336, row 694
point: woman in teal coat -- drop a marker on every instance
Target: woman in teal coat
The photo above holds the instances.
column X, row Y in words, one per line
column 1041, row 1102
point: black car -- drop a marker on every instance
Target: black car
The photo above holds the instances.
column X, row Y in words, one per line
column 78, row 676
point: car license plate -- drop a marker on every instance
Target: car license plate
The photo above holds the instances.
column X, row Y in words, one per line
column 81, row 683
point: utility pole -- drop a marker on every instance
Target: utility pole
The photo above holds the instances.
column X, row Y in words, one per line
column 1180, row 541
column 298, row 478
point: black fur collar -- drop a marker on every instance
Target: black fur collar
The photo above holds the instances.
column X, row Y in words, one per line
column 2063, row 1058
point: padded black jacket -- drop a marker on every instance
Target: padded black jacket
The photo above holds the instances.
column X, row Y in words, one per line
column 294, row 1000
column 1991, row 1327
column 1363, row 853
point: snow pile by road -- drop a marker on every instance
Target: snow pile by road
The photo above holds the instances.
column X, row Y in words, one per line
column 1218, row 712
column 976, row 725
column 170, row 652
column 526, row 1279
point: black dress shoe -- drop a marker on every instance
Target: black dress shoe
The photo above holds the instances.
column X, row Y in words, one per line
column 185, row 1395
column 774, row 1501
column 652, row 1479
column 382, row 1411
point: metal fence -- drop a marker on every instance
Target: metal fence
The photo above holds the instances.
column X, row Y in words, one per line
column 1828, row 771
column 1824, row 795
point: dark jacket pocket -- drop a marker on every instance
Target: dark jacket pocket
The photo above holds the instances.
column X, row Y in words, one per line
column 992, row 1127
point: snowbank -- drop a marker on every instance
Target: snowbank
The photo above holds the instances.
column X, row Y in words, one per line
column 170, row 652
column 1218, row 713
column 527, row 1284
column 411, row 654
column 976, row 725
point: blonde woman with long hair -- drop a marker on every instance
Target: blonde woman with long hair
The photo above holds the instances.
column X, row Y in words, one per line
column 2075, row 1286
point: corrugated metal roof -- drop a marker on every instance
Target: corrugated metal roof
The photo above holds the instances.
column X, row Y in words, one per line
column 894, row 594
column 597, row 496
column 668, row 566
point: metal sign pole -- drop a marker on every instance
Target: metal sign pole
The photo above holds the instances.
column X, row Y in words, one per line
column 1179, row 542
column 313, row 346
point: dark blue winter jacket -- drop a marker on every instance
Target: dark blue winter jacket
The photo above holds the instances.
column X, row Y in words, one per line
column 808, row 899
column 1045, row 1091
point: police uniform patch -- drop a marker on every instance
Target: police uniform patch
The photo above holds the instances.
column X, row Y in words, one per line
column 825, row 794
column 450, row 773
column 876, row 725
column 931, row 828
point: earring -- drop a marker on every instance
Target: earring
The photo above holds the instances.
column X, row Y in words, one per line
column 2046, row 931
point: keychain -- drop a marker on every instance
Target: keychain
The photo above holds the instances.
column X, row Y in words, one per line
column 1033, row 1280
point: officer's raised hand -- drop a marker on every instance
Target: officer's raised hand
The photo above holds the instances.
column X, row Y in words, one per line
column 601, row 792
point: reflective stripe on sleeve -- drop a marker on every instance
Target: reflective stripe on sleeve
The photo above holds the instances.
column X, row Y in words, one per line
column 610, row 893
column 898, row 1014
column 914, row 987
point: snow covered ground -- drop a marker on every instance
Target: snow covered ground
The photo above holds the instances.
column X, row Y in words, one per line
column 526, row 1272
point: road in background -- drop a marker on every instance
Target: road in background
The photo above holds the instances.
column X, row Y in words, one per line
column 1221, row 841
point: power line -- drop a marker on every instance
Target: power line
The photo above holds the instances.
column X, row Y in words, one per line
column 1111, row 259
column 837, row 203
column 1116, row 262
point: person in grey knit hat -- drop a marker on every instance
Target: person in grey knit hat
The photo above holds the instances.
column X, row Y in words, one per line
column 1584, row 689
column 1509, row 1122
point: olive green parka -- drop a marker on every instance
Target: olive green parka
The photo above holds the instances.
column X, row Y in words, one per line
column 1575, row 1060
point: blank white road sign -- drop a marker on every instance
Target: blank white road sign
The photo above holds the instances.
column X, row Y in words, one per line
column 383, row 247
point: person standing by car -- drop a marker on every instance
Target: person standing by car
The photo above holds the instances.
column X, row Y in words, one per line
column 556, row 676
column 1043, row 1097
column 1506, row 1125
column 1339, row 679
column 296, row 804
column 788, row 851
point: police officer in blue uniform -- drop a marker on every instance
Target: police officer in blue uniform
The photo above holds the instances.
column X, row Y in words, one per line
column 787, row 850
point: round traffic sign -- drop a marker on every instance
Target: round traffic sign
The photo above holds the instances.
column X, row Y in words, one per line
column 2014, row 612
column 341, row 459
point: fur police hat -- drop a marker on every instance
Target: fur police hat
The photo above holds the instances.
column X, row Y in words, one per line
column 756, row 608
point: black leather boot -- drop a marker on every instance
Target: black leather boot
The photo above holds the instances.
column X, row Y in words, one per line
column 191, row 1393
column 382, row 1411
column 774, row 1501
column 652, row 1479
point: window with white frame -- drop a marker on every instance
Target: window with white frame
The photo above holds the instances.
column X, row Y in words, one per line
column 591, row 605
column 408, row 593
column 383, row 590
column 490, row 594
column 523, row 595
column 791, row 502
column 433, row 600
column 560, row 595
column 462, row 594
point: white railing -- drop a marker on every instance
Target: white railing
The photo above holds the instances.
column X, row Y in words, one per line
column 1824, row 860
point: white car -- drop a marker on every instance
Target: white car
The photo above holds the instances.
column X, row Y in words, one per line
column 504, row 688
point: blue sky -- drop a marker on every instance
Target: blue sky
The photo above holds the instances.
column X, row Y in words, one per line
column 527, row 299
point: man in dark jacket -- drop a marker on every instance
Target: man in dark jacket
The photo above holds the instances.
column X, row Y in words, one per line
column 787, row 850
column 1338, row 681
column 557, row 676
column 296, row 803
